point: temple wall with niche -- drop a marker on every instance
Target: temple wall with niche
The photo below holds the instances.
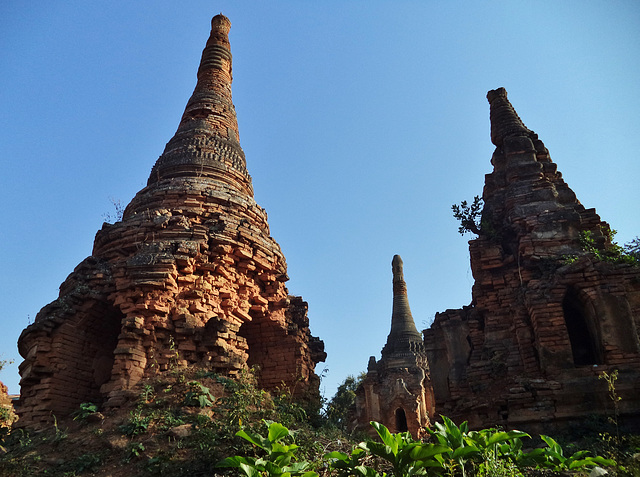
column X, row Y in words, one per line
column 547, row 318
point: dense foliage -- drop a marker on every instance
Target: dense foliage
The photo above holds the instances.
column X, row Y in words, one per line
column 341, row 404
column 455, row 451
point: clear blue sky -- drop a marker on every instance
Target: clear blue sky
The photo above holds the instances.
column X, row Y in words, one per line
column 362, row 122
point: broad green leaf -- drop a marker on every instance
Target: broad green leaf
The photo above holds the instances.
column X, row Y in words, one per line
column 553, row 445
column 602, row 461
column 337, row 455
column 386, row 436
column 274, row 469
column 232, row 462
column 277, row 447
column 366, row 471
column 297, row 467
column 249, row 471
column 425, row 451
column 581, row 463
column 453, row 433
column 255, row 439
column 463, row 452
column 432, row 463
column 277, row 431
column 505, row 436
column 259, row 463
column 378, row 449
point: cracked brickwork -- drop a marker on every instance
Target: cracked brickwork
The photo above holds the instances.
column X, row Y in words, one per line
column 190, row 275
column 540, row 329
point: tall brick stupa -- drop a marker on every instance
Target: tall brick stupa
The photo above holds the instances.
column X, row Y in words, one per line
column 190, row 275
column 548, row 315
column 397, row 389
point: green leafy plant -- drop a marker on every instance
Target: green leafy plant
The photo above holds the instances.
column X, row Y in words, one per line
column 174, row 355
column 469, row 216
column 135, row 449
column 611, row 379
column 242, row 402
column 148, row 393
column 552, row 457
column 85, row 410
column 198, row 395
column 610, row 251
column 476, row 446
column 136, row 425
column 405, row 455
column 279, row 459
column 454, row 437
column 492, row 465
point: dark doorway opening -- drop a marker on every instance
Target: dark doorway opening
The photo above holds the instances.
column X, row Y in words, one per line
column 582, row 330
column 401, row 420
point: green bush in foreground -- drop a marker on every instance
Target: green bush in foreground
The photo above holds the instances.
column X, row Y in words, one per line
column 455, row 451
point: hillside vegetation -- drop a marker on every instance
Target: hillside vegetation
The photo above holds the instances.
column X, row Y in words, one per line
column 190, row 422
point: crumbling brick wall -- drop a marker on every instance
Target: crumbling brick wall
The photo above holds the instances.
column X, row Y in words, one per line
column 190, row 275
column 540, row 329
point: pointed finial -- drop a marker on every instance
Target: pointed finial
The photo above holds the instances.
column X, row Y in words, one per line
column 397, row 268
column 504, row 119
column 206, row 144
column 221, row 23
column 403, row 328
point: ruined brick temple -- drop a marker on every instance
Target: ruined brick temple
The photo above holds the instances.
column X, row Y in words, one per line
column 540, row 329
column 190, row 275
column 528, row 351
column 397, row 390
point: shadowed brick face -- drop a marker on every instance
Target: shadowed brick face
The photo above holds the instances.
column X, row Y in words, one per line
column 190, row 275
column 529, row 349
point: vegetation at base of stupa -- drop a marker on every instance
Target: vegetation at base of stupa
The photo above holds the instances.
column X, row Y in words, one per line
column 191, row 422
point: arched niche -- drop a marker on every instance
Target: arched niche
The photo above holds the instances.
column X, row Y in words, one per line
column 83, row 355
column 401, row 420
column 583, row 328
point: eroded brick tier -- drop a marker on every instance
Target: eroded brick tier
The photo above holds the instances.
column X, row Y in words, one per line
column 529, row 349
column 190, row 275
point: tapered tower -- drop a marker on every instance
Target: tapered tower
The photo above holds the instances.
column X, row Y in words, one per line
column 548, row 315
column 190, row 275
column 397, row 389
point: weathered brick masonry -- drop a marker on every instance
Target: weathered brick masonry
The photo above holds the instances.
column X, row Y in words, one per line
column 529, row 349
column 397, row 390
column 190, row 275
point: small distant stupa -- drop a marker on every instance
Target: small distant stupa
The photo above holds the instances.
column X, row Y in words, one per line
column 397, row 389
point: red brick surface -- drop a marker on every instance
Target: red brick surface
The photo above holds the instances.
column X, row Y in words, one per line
column 510, row 357
column 190, row 275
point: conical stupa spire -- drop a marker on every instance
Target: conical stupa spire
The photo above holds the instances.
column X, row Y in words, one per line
column 403, row 328
column 206, row 144
column 504, row 119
